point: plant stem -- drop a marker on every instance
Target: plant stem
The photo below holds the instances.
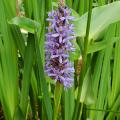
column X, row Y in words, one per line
column 57, row 98
column 81, row 110
column 84, row 61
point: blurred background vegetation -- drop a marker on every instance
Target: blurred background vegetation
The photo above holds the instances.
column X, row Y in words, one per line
column 27, row 93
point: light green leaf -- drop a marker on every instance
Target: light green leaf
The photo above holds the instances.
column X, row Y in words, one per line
column 75, row 14
column 8, row 66
column 116, row 68
column 86, row 93
column 102, row 17
column 54, row 4
column 69, row 103
column 75, row 55
column 26, row 23
column 97, row 46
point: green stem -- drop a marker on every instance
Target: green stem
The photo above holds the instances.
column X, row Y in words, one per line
column 75, row 4
column 84, row 61
column 81, row 110
column 57, row 98
column 103, row 110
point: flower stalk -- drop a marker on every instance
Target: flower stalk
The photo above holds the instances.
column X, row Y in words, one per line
column 57, row 98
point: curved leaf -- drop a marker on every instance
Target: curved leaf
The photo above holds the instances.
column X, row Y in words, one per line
column 102, row 17
column 26, row 23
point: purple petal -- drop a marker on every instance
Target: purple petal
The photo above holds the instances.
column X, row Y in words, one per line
column 54, row 56
column 68, row 38
column 60, row 39
column 60, row 59
column 71, row 18
column 55, row 35
column 52, row 74
column 62, row 18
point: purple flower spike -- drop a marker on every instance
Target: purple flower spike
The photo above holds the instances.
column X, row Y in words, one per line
column 58, row 45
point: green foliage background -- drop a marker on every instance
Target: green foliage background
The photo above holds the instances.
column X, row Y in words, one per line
column 27, row 93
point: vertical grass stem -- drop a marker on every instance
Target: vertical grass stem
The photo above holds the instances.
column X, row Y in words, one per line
column 75, row 116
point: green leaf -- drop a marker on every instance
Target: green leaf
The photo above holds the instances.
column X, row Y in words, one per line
column 57, row 98
column 75, row 14
column 102, row 17
column 8, row 66
column 69, row 103
column 42, row 83
column 105, row 75
column 75, row 55
column 69, row 3
column 116, row 68
column 28, row 8
column 114, row 108
column 26, row 23
column 28, row 63
column 19, row 115
column 97, row 46
column 86, row 93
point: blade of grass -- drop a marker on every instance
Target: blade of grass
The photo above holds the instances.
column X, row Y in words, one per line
column 69, row 3
column 98, row 46
column 57, row 99
column 75, row 4
column 28, row 8
column 43, row 84
column 114, row 108
column 69, row 103
column 105, row 75
column 28, row 63
column 81, row 8
column 116, row 68
column 8, row 54
column 84, row 61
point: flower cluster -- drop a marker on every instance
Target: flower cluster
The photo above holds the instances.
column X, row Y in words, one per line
column 58, row 46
